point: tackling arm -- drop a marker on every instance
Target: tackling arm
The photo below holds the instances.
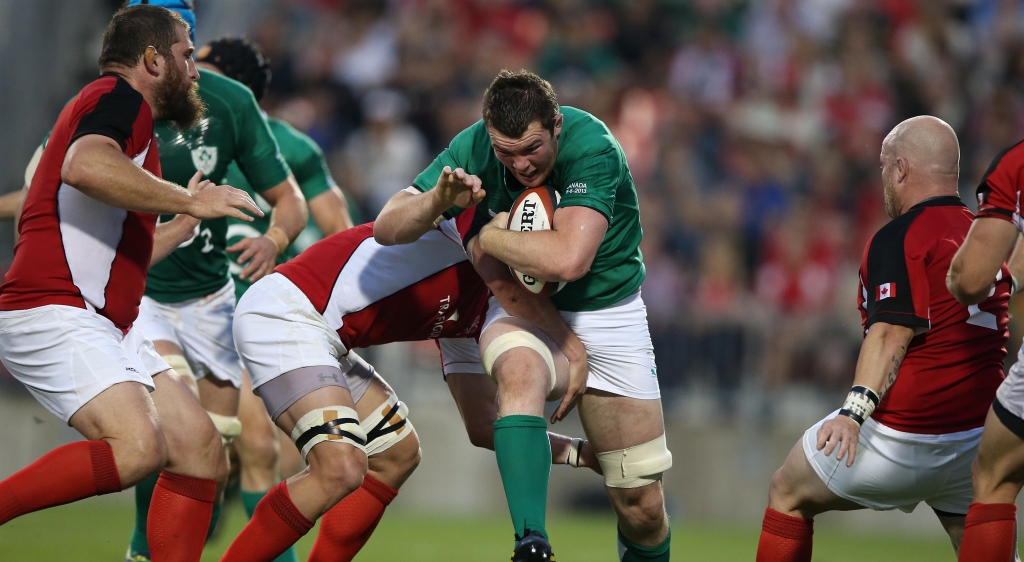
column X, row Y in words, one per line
column 286, row 222
column 563, row 253
column 979, row 259
column 540, row 312
column 407, row 216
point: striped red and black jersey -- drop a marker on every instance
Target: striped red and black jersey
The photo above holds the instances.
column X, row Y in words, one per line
column 75, row 250
column 954, row 363
column 999, row 191
column 373, row 294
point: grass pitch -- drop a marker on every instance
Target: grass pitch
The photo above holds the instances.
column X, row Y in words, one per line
column 97, row 530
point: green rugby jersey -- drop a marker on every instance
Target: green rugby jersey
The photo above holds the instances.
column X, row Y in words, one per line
column 234, row 129
column 306, row 160
column 590, row 171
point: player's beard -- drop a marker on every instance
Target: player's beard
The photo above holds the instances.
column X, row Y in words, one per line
column 892, row 201
column 177, row 99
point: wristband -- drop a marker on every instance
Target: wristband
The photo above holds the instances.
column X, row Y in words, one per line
column 860, row 402
column 277, row 235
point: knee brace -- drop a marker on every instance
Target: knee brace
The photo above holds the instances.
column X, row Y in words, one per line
column 180, row 365
column 387, row 425
column 229, row 427
column 636, row 466
column 512, row 340
column 334, row 424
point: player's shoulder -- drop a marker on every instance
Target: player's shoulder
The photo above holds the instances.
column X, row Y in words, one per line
column 1011, row 157
column 116, row 90
column 922, row 225
column 225, row 94
column 292, row 140
column 583, row 134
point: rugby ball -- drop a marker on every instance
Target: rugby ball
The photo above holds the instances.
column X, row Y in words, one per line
column 534, row 210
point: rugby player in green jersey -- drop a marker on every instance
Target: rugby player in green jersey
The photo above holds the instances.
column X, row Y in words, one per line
column 598, row 320
column 189, row 301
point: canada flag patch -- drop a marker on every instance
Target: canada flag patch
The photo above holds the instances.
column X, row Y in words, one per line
column 885, row 291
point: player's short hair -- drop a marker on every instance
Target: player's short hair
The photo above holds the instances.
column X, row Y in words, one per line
column 516, row 99
column 239, row 59
column 134, row 28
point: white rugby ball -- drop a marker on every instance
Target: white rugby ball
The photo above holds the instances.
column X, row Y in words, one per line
column 534, row 210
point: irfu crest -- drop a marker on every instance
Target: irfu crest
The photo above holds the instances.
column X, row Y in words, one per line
column 205, row 158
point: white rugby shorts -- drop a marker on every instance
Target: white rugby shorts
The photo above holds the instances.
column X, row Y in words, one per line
column 201, row 328
column 66, row 356
column 277, row 329
column 897, row 470
column 1011, row 392
column 618, row 343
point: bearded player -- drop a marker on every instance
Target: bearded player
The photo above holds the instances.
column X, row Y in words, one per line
column 189, row 297
column 73, row 291
column 527, row 140
column 928, row 369
column 295, row 330
column 990, row 529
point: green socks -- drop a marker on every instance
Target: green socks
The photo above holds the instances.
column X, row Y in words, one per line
column 631, row 552
column 524, row 460
column 249, row 501
column 143, row 494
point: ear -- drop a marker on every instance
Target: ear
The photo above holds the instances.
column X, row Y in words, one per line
column 152, row 61
column 558, row 125
column 902, row 169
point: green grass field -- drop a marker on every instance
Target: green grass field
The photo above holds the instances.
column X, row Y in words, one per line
column 97, row 531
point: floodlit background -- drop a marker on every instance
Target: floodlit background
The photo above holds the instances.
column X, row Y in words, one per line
column 752, row 129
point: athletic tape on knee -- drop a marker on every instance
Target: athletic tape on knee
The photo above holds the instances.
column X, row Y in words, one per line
column 180, row 365
column 636, row 466
column 512, row 340
column 338, row 424
column 229, row 427
column 387, row 425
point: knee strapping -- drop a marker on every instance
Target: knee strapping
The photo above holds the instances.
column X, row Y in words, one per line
column 180, row 365
column 229, row 427
column 386, row 426
column 512, row 340
column 636, row 466
column 338, row 424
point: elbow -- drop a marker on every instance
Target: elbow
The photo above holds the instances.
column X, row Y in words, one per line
column 384, row 235
column 963, row 291
column 72, row 172
column 571, row 269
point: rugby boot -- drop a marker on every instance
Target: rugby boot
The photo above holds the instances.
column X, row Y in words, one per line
column 533, row 547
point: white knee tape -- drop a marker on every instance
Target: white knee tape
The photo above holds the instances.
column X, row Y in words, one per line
column 512, row 340
column 229, row 427
column 180, row 365
column 387, row 425
column 636, row 466
column 338, row 424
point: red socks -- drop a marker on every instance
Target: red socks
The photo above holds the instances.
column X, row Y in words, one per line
column 346, row 527
column 990, row 533
column 75, row 471
column 275, row 525
column 785, row 538
column 179, row 515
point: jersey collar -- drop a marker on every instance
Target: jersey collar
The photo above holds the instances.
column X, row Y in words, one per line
column 940, row 201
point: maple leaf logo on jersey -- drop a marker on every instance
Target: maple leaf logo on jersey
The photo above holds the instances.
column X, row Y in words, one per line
column 885, row 291
column 205, row 158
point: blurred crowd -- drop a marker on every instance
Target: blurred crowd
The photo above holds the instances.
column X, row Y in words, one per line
column 752, row 129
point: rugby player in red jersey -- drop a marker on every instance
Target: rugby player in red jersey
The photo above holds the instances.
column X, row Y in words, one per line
column 928, row 369
column 991, row 526
column 73, row 291
column 294, row 331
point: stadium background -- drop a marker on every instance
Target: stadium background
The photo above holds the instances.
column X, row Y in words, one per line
column 752, row 129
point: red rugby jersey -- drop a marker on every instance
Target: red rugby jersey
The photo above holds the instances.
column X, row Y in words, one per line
column 999, row 192
column 373, row 294
column 954, row 364
column 75, row 250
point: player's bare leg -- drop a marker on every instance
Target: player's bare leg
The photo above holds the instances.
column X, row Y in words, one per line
column 526, row 380
column 954, row 527
column 998, row 473
column 617, row 423
column 336, row 469
column 182, row 501
column 477, row 399
column 346, row 527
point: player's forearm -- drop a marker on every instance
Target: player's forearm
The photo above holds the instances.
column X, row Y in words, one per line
column 170, row 235
column 290, row 212
column 101, row 171
column 9, row 204
column 544, row 254
column 881, row 355
column 408, row 216
column 330, row 212
column 17, row 213
column 1016, row 263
